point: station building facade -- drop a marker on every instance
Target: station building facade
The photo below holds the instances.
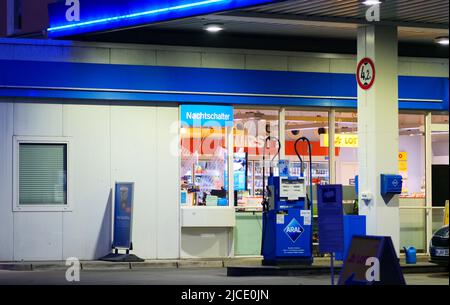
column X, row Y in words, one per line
column 92, row 114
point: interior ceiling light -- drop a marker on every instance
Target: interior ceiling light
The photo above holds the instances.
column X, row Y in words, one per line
column 371, row 2
column 213, row 27
column 443, row 40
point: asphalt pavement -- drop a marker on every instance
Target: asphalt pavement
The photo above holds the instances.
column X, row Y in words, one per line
column 203, row 276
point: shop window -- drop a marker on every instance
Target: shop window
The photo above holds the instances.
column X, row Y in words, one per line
column 439, row 168
column 252, row 127
column 346, row 157
column 41, row 169
column 312, row 125
column 204, row 164
column 411, row 165
column 346, row 143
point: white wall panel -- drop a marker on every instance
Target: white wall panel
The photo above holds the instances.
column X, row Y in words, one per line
column 306, row 64
column 86, row 54
column 133, row 159
column 342, row 65
column 266, row 62
column 38, row 236
column 439, row 69
column 133, row 57
column 87, row 229
column 223, row 60
column 404, row 67
column 180, row 59
column 167, row 187
column 205, row 242
column 35, row 119
column 6, row 218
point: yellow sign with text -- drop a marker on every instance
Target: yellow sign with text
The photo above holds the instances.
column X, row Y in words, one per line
column 403, row 161
column 340, row 140
column 402, row 156
column 402, row 166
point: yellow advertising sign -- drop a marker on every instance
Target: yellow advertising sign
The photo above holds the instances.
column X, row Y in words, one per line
column 403, row 161
column 446, row 214
column 340, row 140
column 402, row 156
column 402, row 166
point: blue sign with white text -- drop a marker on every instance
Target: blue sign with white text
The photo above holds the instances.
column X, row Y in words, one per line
column 123, row 215
column 206, row 116
column 87, row 16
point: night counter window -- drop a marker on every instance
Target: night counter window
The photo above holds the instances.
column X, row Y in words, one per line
column 42, row 174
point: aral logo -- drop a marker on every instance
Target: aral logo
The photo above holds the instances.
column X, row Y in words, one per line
column 73, row 12
column 294, row 230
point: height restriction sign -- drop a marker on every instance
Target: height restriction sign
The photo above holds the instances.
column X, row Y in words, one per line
column 365, row 73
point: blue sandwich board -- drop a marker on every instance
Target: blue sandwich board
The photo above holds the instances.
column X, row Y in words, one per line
column 363, row 250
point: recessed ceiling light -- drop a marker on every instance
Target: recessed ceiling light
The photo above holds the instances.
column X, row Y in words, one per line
column 371, row 2
column 443, row 40
column 213, row 27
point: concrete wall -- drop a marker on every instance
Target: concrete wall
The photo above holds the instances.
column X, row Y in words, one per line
column 67, row 51
column 109, row 143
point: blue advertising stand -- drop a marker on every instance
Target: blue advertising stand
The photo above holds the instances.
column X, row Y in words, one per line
column 123, row 220
column 331, row 221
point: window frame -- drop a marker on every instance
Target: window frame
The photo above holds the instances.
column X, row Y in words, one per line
column 17, row 207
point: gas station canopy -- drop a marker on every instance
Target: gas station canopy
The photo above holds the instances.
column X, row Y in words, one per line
column 291, row 25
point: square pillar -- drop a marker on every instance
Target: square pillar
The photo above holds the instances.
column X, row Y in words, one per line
column 378, row 130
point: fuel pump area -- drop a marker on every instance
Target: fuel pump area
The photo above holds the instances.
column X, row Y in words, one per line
column 287, row 215
column 260, row 137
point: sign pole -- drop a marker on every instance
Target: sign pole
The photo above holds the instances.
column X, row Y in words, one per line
column 332, row 268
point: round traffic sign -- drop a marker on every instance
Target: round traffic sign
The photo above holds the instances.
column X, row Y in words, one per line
column 365, row 73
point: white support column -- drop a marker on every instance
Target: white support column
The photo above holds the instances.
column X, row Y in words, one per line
column 428, row 184
column 378, row 130
column 230, row 153
column 331, row 146
column 282, row 132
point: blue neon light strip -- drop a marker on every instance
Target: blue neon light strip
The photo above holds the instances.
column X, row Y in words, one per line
column 103, row 15
column 135, row 15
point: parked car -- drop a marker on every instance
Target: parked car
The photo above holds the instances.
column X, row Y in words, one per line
column 439, row 247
